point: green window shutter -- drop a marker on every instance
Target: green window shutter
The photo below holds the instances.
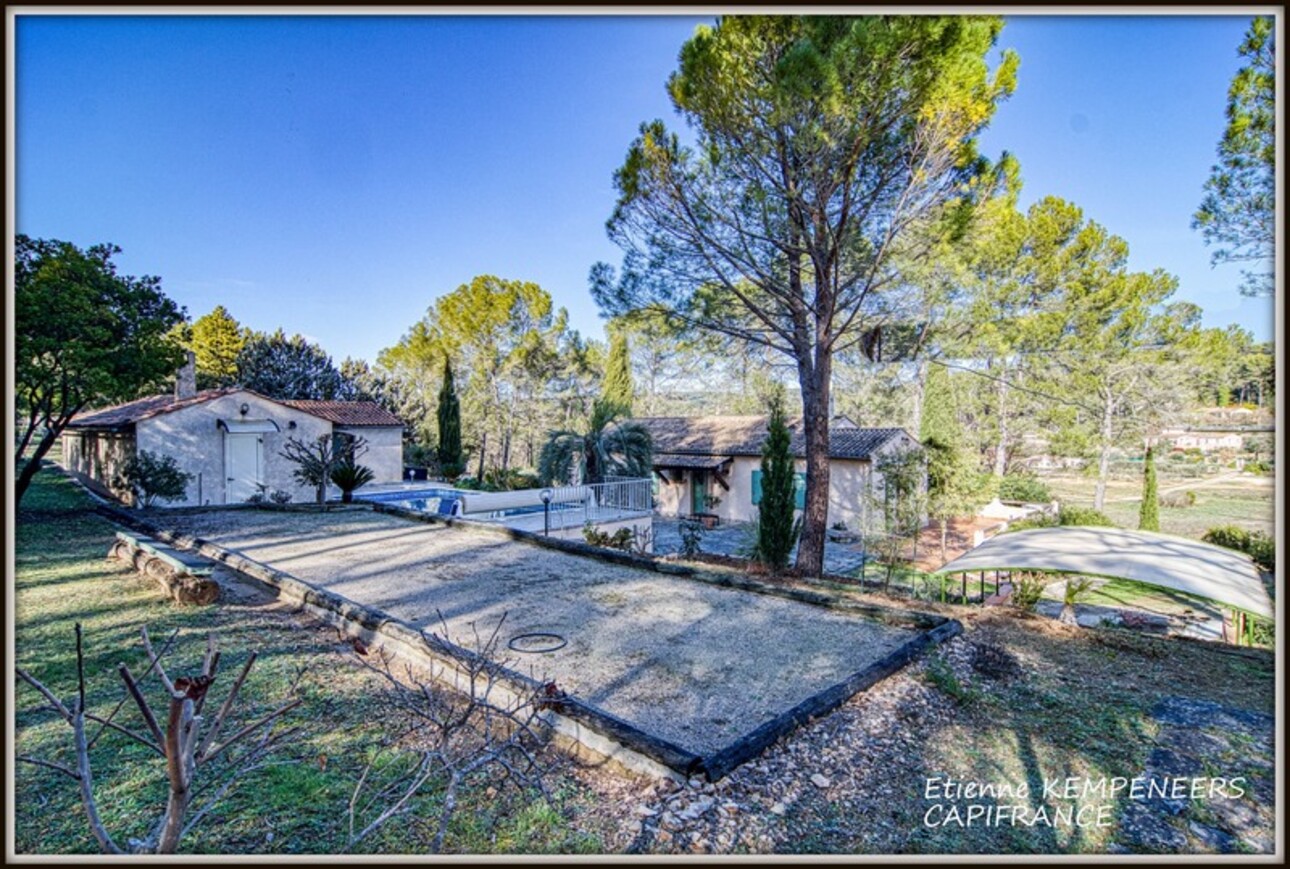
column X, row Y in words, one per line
column 799, row 491
column 756, row 487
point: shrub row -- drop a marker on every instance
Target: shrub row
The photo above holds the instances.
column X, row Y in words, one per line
column 1256, row 544
column 1027, row 488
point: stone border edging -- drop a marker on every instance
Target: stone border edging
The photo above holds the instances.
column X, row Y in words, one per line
column 750, row 745
column 586, row 725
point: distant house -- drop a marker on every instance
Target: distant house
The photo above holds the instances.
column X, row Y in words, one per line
column 230, row 440
column 1207, row 441
column 712, row 464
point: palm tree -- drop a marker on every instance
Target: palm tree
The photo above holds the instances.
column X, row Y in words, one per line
column 609, row 447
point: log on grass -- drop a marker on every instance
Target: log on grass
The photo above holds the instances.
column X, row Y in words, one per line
column 183, row 587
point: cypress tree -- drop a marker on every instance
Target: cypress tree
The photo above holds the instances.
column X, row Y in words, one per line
column 617, row 388
column 939, row 420
column 1149, row 515
column 776, row 528
column 450, row 457
column 955, row 487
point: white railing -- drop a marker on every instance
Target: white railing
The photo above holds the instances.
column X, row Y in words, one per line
column 616, row 498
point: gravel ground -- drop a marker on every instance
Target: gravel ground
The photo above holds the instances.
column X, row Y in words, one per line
column 853, row 781
column 695, row 664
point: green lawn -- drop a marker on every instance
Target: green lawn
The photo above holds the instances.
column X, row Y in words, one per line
column 1245, row 501
column 297, row 806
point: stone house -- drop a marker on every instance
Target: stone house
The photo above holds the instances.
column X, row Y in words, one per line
column 712, row 464
column 229, row 439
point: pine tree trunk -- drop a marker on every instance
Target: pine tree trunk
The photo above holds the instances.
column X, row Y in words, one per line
column 1001, row 448
column 1104, row 458
column 815, row 421
column 920, row 387
column 33, row 465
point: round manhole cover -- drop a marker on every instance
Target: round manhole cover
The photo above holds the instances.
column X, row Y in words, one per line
column 537, row 642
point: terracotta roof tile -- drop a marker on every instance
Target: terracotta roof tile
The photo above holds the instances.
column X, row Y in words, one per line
column 744, row 436
column 353, row 413
column 131, row 412
column 357, row 413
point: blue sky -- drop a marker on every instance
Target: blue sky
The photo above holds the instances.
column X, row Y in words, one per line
column 334, row 175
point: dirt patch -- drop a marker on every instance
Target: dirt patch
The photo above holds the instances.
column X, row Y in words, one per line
column 692, row 663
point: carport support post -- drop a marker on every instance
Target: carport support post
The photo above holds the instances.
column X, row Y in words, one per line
column 964, row 577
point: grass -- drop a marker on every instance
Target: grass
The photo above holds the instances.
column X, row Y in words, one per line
column 298, row 806
column 1076, row 707
column 1245, row 501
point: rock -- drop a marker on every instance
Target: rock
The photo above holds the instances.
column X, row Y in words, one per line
column 1146, row 830
column 696, row 783
column 820, row 781
column 634, row 828
column 1236, row 816
column 1259, row 844
column 1165, row 763
column 669, row 822
column 1213, row 838
column 696, row 809
column 645, row 811
column 778, row 809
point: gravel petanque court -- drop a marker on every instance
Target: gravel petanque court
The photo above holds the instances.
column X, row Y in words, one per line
column 692, row 663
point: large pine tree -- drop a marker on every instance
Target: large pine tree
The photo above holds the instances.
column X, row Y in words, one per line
column 451, row 461
column 216, row 340
column 777, row 529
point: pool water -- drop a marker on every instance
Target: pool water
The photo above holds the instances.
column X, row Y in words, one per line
column 432, row 501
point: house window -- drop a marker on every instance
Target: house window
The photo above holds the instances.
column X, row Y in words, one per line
column 799, row 489
column 341, row 442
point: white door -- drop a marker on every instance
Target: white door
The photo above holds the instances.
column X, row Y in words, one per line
column 243, row 467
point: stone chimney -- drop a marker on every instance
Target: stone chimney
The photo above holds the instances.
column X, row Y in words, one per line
column 186, row 377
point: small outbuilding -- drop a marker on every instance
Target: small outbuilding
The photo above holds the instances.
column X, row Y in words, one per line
column 230, row 440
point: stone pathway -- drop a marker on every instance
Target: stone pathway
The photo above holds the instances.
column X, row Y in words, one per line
column 734, row 540
column 1204, row 741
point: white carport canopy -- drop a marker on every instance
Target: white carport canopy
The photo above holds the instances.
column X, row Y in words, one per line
column 1177, row 563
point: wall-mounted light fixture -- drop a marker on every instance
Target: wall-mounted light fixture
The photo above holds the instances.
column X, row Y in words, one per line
column 244, row 409
column 291, row 424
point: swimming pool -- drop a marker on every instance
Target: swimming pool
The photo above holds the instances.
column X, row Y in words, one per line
column 409, row 495
column 437, row 502
column 448, row 502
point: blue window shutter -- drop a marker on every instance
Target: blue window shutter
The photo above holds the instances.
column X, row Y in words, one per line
column 799, row 491
column 756, row 487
